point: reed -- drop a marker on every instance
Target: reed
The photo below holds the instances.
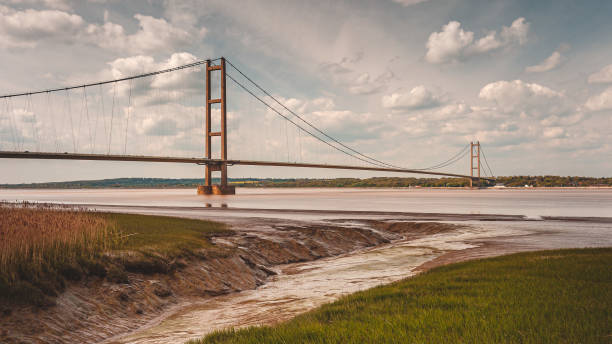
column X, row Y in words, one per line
column 43, row 247
column 37, row 241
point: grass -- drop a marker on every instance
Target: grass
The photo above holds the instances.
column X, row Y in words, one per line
column 168, row 236
column 43, row 247
column 562, row 296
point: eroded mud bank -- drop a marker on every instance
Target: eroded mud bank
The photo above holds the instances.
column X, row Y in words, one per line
column 97, row 309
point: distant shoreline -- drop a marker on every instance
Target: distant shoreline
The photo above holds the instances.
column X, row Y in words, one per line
column 25, row 187
column 374, row 182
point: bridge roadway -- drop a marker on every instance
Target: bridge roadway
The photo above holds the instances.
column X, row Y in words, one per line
column 217, row 162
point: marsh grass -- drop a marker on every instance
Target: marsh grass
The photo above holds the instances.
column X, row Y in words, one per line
column 562, row 296
column 42, row 247
column 163, row 235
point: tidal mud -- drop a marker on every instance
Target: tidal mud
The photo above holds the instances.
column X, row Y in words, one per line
column 97, row 310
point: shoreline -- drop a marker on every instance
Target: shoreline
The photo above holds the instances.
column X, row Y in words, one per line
column 417, row 216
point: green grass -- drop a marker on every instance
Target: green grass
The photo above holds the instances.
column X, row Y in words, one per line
column 562, row 296
column 164, row 235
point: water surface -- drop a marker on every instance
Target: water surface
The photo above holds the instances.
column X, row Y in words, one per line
column 528, row 202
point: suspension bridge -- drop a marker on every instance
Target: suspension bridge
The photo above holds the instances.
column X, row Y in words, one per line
column 180, row 115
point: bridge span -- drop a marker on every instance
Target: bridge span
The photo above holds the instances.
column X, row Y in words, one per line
column 66, row 131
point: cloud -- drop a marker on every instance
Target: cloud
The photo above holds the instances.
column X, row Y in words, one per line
column 453, row 111
column 182, row 82
column 348, row 126
column 154, row 34
column 550, row 63
column 53, row 4
column 553, row 132
column 449, row 44
column 528, row 98
column 364, row 84
column 407, row 3
column 602, row 76
column 419, row 97
column 160, row 127
column 343, row 124
column 515, row 33
column 27, row 28
column 344, row 73
column 455, row 44
column 602, row 101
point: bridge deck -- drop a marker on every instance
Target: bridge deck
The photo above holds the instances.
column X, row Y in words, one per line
column 204, row 161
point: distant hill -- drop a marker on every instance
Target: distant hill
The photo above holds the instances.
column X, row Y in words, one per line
column 111, row 183
column 158, row 183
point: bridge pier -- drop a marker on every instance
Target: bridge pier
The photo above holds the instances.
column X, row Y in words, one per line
column 216, row 190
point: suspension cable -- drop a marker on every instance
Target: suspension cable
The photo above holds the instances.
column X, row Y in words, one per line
column 451, row 160
column 193, row 64
column 297, row 125
column 310, row 124
column 377, row 162
column 486, row 162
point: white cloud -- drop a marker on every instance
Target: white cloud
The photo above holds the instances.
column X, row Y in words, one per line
column 526, row 98
column 181, row 83
column 407, row 3
column 602, row 76
column 453, row 110
column 455, row 44
column 154, row 34
column 602, row 101
column 517, row 32
column 30, row 27
column 449, row 44
column 417, row 98
column 26, row 28
column 550, row 63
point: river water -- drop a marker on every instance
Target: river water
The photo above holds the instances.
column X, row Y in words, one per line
column 528, row 202
column 302, row 286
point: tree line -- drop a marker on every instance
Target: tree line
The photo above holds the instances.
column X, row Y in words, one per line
column 510, row 181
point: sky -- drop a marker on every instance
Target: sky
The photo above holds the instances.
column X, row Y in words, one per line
column 409, row 82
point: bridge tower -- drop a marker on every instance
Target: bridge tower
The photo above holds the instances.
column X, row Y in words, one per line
column 474, row 155
column 223, row 188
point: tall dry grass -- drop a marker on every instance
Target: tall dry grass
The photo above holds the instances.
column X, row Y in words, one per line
column 36, row 237
column 42, row 247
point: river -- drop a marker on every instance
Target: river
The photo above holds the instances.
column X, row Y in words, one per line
column 531, row 202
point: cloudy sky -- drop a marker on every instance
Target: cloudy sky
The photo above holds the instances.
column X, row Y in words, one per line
column 408, row 81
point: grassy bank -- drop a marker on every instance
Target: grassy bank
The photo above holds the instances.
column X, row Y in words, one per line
column 562, row 296
column 44, row 247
